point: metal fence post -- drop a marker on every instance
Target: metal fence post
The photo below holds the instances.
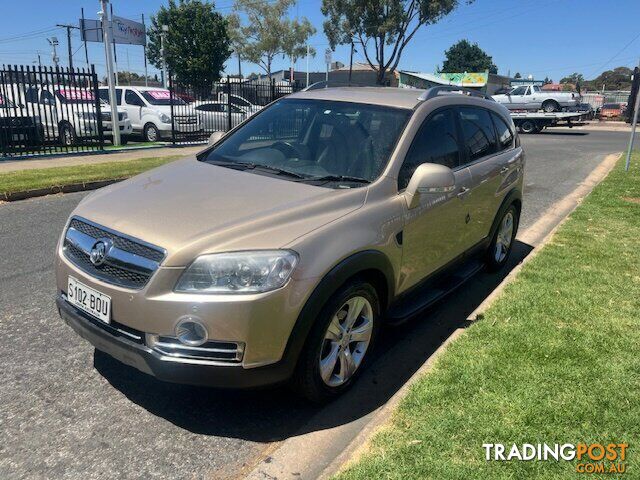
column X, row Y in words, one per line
column 115, row 120
column 228, row 103
column 173, row 122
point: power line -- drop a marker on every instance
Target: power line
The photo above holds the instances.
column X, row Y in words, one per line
column 599, row 69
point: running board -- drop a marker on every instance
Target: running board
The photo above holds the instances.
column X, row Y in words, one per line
column 423, row 298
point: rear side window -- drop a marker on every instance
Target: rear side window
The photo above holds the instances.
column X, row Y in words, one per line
column 478, row 131
column 505, row 135
column 435, row 142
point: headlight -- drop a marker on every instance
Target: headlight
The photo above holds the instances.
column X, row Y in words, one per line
column 164, row 118
column 238, row 272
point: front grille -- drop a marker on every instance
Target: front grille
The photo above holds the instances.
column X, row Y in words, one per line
column 119, row 241
column 128, row 263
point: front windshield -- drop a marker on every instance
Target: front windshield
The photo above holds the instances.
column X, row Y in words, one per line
column 161, row 97
column 316, row 140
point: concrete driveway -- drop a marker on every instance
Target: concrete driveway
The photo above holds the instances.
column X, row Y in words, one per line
column 69, row 412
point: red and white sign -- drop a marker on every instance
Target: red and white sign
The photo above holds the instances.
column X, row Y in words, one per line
column 76, row 94
column 160, row 94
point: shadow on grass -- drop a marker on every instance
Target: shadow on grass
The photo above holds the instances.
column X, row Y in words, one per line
column 275, row 414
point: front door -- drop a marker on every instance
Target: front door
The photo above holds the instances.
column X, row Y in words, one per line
column 434, row 231
column 133, row 105
column 517, row 98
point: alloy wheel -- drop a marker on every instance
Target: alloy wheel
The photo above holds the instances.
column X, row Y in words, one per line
column 346, row 341
column 504, row 238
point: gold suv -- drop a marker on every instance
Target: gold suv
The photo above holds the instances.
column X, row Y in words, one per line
column 277, row 253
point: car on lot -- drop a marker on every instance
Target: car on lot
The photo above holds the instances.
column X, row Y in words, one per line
column 586, row 109
column 532, row 97
column 240, row 102
column 278, row 252
column 17, row 126
column 611, row 111
column 214, row 116
column 149, row 109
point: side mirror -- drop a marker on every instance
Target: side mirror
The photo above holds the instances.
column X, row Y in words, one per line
column 215, row 137
column 429, row 179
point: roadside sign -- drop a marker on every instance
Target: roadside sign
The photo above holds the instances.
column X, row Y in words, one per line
column 123, row 31
column 327, row 56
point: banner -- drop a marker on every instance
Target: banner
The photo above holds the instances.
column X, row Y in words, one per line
column 124, row 31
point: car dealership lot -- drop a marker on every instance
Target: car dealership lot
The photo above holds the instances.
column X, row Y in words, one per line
column 61, row 417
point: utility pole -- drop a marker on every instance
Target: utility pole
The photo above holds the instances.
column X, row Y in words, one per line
column 106, row 32
column 53, row 41
column 307, row 64
column 634, row 123
column 351, row 62
column 69, row 27
column 39, row 60
column 163, row 33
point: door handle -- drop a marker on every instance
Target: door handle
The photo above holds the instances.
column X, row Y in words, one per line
column 504, row 170
column 463, row 191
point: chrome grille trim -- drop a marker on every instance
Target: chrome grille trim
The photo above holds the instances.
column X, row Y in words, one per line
column 129, row 263
column 211, row 351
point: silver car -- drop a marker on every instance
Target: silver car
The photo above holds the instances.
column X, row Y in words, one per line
column 532, row 97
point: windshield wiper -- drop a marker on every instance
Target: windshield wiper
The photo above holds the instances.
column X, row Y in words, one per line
column 337, row 178
column 256, row 166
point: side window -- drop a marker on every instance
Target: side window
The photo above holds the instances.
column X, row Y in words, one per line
column 132, row 98
column 478, row 131
column 47, row 98
column 104, row 95
column 31, row 95
column 435, row 142
column 505, row 135
column 518, row 91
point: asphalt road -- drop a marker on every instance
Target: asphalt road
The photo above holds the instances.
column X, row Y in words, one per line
column 69, row 412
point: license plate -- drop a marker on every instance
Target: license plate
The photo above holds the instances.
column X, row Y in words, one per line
column 89, row 300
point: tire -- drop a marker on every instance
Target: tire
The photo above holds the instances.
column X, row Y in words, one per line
column 528, row 126
column 67, row 135
column 550, row 106
column 502, row 242
column 124, row 139
column 150, row 133
column 326, row 341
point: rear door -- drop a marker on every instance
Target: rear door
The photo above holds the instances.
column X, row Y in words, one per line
column 434, row 230
column 488, row 157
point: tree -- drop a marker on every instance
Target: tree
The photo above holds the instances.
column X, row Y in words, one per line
column 267, row 32
column 517, row 75
column 383, row 28
column 196, row 45
column 574, row 78
column 617, row 79
column 465, row 57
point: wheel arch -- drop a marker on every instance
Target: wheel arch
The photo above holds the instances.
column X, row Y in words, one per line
column 514, row 197
column 370, row 265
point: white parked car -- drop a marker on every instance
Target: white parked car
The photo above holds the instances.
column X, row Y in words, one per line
column 240, row 102
column 69, row 113
column 532, row 97
column 149, row 109
column 214, row 116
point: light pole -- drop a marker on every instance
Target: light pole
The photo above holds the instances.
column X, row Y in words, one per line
column 106, row 32
column 53, row 41
column 165, row 81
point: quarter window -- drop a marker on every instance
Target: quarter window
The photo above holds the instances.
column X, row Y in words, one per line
column 435, row 142
column 478, row 131
column 505, row 135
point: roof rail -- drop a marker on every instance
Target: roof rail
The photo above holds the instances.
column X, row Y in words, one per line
column 435, row 91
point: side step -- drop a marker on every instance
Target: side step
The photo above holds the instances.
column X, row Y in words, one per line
column 424, row 297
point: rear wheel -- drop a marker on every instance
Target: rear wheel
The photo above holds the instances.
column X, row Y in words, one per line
column 550, row 106
column 529, row 126
column 339, row 343
column 502, row 242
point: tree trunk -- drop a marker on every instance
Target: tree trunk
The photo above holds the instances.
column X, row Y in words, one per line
column 380, row 75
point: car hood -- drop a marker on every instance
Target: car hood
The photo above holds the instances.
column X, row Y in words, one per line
column 189, row 208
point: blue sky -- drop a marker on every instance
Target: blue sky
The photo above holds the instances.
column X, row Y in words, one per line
column 540, row 37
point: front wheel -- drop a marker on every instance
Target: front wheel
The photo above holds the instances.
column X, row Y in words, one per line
column 339, row 343
column 151, row 133
column 68, row 136
column 502, row 242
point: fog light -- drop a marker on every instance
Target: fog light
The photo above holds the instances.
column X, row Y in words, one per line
column 190, row 331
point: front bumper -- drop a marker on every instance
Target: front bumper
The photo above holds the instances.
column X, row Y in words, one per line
column 138, row 355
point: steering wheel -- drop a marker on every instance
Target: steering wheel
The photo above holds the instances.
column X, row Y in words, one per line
column 288, row 149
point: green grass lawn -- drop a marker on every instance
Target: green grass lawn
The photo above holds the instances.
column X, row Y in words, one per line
column 555, row 359
column 22, row 180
